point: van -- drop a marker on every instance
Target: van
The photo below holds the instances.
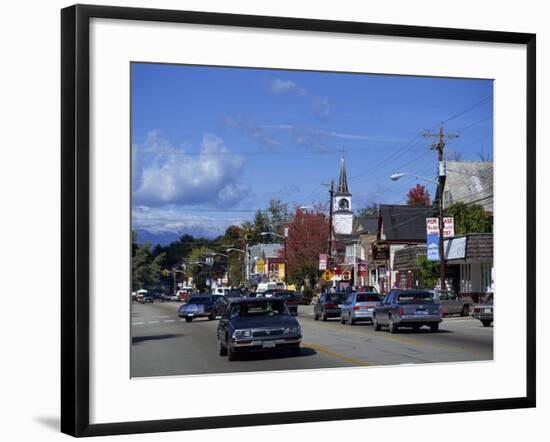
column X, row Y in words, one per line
column 264, row 286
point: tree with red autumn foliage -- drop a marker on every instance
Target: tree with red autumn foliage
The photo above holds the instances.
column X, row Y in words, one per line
column 308, row 233
column 418, row 196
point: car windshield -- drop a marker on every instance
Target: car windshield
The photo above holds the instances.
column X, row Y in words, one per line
column 425, row 297
column 255, row 309
column 200, row 300
column 368, row 297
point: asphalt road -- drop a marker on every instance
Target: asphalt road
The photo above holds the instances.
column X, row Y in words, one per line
column 164, row 344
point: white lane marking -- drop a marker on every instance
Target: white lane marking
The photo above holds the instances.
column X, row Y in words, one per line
column 138, row 323
column 153, row 322
column 170, row 320
column 162, row 317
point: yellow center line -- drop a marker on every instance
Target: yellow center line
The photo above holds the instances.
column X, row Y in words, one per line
column 325, row 350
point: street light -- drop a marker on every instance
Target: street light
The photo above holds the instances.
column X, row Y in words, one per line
column 284, row 245
column 395, row 177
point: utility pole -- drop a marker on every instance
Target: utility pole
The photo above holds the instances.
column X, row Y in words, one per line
column 331, row 193
column 442, row 174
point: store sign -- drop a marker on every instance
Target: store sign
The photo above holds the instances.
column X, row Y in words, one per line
column 260, row 266
column 323, row 258
column 380, row 250
column 362, row 272
column 455, row 248
column 346, row 275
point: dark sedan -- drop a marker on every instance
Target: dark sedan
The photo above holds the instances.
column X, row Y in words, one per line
column 328, row 306
column 291, row 298
column 255, row 324
column 209, row 306
column 407, row 308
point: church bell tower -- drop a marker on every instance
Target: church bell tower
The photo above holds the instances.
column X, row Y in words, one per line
column 342, row 213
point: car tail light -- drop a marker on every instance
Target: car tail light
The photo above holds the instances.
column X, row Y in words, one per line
column 356, row 308
column 401, row 311
column 331, row 306
column 477, row 309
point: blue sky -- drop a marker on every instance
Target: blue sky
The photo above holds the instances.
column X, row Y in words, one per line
column 210, row 144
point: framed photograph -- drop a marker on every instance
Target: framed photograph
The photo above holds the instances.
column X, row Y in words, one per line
column 292, row 220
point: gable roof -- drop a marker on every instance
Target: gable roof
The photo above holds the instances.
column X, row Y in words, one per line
column 365, row 225
column 404, row 223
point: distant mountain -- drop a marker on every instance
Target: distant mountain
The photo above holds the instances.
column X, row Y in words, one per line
column 165, row 237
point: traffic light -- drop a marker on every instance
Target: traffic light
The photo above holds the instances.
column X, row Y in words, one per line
column 166, row 273
column 248, row 236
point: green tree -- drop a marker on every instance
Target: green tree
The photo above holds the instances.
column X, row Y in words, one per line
column 146, row 268
column 278, row 216
column 366, row 212
column 469, row 218
column 429, row 272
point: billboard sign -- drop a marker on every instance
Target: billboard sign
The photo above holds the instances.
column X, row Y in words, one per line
column 323, row 257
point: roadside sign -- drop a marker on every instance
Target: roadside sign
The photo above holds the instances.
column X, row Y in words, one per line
column 260, row 265
column 346, row 275
column 432, row 227
column 323, row 257
column 327, row 275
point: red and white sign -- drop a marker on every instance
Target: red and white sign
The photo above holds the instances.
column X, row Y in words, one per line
column 362, row 272
column 323, row 261
column 432, row 226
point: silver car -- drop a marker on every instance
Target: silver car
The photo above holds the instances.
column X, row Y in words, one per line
column 485, row 311
column 358, row 307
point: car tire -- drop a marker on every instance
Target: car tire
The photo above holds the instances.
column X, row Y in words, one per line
column 465, row 310
column 342, row 320
column 376, row 325
column 351, row 320
column 231, row 355
column 315, row 317
column 486, row 323
column 391, row 326
column 222, row 349
column 212, row 316
column 324, row 316
column 188, row 319
column 434, row 328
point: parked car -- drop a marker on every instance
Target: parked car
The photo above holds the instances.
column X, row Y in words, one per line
column 451, row 303
column 209, row 306
column 256, row 324
column 183, row 295
column 140, row 293
column 484, row 312
column 358, row 307
column 328, row 306
column 146, row 298
column 407, row 308
column 292, row 299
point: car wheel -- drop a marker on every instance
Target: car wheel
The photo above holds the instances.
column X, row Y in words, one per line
column 434, row 328
column 324, row 316
column 231, row 355
column 342, row 320
column 486, row 323
column 351, row 320
column 222, row 349
column 212, row 316
column 465, row 310
column 391, row 326
column 315, row 316
column 188, row 319
column 376, row 325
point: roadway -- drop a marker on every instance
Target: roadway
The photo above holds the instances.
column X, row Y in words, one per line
column 164, row 344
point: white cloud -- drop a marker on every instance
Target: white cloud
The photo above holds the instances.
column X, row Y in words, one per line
column 284, row 86
column 163, row 174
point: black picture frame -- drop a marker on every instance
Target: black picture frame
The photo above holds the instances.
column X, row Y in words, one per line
column 75, row 212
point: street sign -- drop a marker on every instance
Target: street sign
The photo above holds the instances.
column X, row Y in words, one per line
column 260, row 265
column 432, row 246
column 380, row 251
column 165, row 273
column 323, row 257
column 327, row 275
column 346, row 275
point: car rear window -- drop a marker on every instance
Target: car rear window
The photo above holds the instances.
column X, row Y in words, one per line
column 368, row 297
column 425, row 297
column 336, row 297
